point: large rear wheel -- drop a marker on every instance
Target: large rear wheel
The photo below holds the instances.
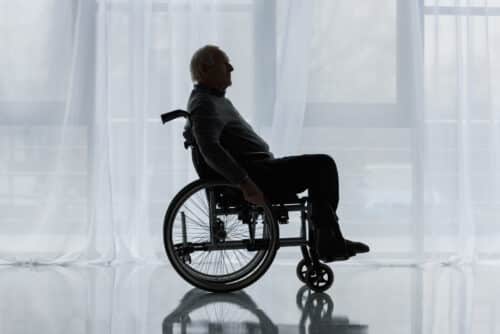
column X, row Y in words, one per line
column 215, row 239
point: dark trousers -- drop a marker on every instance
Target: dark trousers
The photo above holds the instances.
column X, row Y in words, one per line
column 293, row 174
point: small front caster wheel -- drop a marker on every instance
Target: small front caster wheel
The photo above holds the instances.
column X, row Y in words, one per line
column 319, row 278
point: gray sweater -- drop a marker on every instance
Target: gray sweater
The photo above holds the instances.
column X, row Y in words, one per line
column 224, row 138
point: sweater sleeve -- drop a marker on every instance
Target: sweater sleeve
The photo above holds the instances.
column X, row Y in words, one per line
column 207, row 127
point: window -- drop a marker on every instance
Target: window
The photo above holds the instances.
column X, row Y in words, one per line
column 357, row 65
column 462, row 74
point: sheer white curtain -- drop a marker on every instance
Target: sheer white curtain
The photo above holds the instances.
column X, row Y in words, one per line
column 401, row 93
column 54, row 188
column 462, row 129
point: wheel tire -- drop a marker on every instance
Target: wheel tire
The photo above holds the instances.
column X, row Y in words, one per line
column 255, row 273
column 301, row 270
column 319, row 278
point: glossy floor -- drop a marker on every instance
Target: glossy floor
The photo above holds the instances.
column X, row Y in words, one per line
column 153, row 299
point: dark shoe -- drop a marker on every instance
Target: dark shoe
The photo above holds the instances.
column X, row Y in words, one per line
column 355, row 247
column 330, row 249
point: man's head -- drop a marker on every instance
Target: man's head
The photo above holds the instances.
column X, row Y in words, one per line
column 210, row 66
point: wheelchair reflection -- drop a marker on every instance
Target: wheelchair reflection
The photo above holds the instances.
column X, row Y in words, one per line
column 237, row 313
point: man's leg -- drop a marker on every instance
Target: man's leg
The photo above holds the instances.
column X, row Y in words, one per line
column 317, row 173
column 294, row 174
column 324, row 193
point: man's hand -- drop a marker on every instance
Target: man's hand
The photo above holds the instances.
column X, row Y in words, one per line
column 251, row 192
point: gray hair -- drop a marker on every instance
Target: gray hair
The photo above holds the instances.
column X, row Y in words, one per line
column 202, row 57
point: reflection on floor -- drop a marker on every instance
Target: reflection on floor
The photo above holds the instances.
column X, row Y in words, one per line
column 199, row 312
column 153, row 299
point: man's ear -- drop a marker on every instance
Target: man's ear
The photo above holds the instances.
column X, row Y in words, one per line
column 204, row 72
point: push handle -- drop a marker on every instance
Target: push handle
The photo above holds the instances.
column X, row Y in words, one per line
column 167, row 117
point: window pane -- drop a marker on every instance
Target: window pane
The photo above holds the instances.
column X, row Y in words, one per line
column 444, row 48
column 353, row 52
column 32, row 68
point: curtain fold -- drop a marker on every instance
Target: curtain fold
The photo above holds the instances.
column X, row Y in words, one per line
column 48, row 117
column 461, row 122
column 292, row 78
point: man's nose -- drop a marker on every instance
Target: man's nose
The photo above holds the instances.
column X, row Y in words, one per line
column 230, row 67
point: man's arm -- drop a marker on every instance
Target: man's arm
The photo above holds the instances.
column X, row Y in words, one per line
column 207, row 129
column 251, row 192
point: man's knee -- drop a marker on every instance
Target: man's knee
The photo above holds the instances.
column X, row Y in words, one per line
column 325, row 161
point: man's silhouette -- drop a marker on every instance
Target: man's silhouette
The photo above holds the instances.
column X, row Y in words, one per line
column 232, row 149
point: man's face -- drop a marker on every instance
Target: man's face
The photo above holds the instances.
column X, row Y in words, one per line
column 219, row 74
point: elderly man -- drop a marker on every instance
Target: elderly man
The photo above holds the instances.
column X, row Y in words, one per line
column 232, row 149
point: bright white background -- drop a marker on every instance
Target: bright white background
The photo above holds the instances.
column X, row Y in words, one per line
column 404, row 94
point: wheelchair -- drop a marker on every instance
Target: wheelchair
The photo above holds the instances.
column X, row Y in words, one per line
column 218, row 242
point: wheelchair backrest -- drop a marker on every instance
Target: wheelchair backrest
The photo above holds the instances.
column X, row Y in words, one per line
column 203, row 170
